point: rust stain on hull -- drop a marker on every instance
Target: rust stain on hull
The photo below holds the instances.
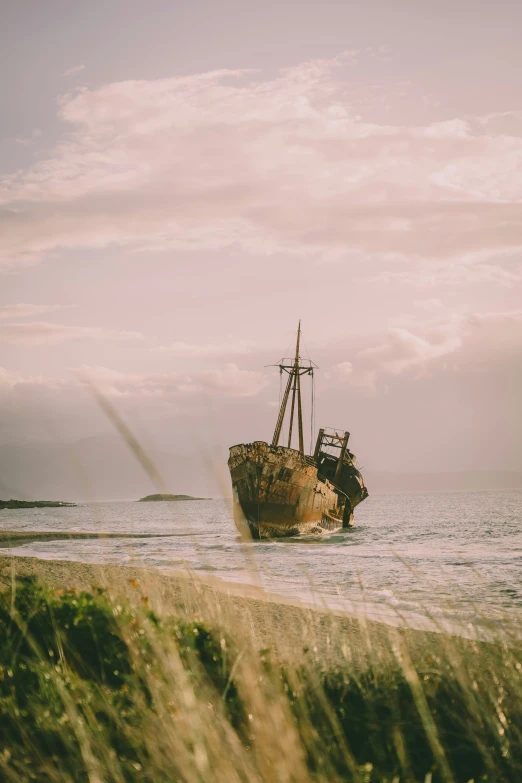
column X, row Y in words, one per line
column 278, row 493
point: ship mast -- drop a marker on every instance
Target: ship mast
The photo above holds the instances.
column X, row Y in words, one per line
column 295, row 370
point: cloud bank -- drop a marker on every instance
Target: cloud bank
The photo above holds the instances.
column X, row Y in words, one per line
column 286, row 166
column 26, row 310
column 45, row 333
column 478, row 343
column 74, row 70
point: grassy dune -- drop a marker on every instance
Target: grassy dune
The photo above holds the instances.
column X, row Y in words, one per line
column 122, row 674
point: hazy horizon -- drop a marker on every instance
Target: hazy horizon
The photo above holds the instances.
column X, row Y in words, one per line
column 181, row 183
column 103, row 468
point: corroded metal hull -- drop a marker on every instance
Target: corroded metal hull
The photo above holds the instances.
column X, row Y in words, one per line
column 278, row 493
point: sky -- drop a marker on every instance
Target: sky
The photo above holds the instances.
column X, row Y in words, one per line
column 181, row 182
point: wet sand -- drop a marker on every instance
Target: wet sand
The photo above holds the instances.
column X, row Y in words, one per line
column 289, row 628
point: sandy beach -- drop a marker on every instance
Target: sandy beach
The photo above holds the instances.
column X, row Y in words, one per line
column 259, row 618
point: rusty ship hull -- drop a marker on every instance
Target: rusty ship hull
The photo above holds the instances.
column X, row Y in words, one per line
column 277, row 492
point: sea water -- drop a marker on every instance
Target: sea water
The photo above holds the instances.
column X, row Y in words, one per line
column 439, row 560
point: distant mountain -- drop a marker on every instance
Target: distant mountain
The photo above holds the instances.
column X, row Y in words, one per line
column 103, row 468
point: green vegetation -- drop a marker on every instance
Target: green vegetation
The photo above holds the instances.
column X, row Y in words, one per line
column 34, row 504
column 149, row 498
column 93, row 690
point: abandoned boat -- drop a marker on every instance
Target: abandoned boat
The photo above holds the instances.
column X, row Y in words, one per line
column 279, row 490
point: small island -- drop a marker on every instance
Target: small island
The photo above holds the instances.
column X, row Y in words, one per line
column 151, row 498
column 35, row 504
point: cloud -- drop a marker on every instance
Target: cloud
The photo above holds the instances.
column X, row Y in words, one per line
column 27, row 310
column 228, row 381
column 402, row 350
column 74, row 70
column 500, row 267
column 206, row 351
column 41, row 406
column 9, row 380
column 45, row 333
column 477, row 342
column 286, row 165
column 358, row 378
column 233, row 382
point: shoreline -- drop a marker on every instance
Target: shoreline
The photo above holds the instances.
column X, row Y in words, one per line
column 261, row 619
column 486, row 629
column 380, row 614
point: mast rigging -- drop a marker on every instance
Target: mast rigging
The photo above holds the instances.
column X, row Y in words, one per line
column 295, row 370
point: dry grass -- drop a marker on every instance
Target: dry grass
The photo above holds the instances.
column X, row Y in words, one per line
column 209, row 686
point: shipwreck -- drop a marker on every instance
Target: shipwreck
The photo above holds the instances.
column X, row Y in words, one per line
column 280, row 491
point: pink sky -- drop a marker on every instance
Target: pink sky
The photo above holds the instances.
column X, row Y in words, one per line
column 175, row 197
